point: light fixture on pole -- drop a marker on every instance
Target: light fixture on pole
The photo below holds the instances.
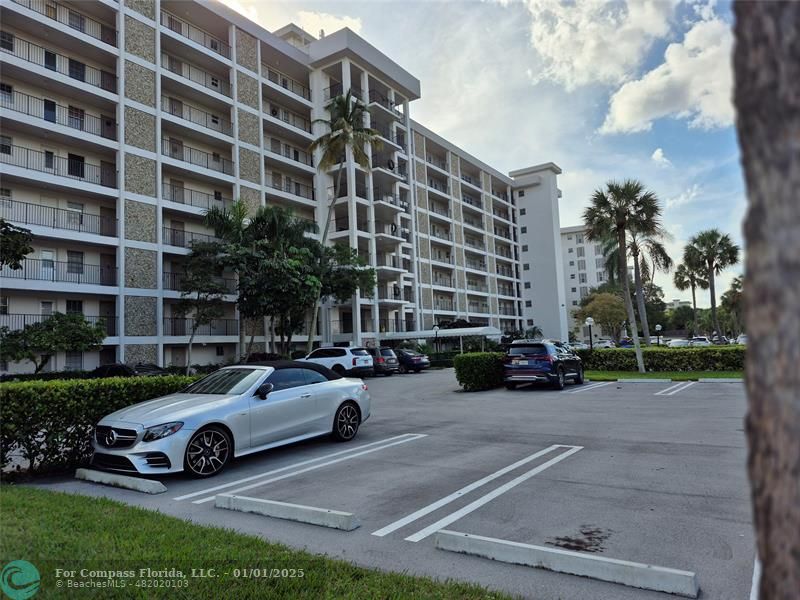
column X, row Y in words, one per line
column 658, row 335
column 589, row 323
column 436, row 337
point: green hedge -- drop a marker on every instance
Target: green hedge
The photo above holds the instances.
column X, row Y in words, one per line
column 709, row 358
column 479, row 370
column 49, row 423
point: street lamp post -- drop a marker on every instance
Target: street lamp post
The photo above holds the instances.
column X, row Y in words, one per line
column 590, row 322
column 658, row 335
column 436, row 337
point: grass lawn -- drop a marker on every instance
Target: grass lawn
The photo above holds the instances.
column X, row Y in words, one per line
column 54, row 530
column 674, row 375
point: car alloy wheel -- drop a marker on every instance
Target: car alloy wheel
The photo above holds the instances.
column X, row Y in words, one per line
column 208, row 452
column 346, row 422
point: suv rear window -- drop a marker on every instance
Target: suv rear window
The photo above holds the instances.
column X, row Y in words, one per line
column 387, row 352
column 519, row 350
column 359, row 351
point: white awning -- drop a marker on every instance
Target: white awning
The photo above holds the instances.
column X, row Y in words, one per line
column 493, row 332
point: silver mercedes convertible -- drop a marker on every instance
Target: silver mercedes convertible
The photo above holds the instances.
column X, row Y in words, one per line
column 234, row 411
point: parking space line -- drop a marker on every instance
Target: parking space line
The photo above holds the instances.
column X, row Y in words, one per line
column 674, row 389
column 458, row 493
column 590, row 387
column 288, row 467
column 476, row 504
column 260, row 483
column 673, row 386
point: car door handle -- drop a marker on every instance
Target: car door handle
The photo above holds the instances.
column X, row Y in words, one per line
column 305, row 395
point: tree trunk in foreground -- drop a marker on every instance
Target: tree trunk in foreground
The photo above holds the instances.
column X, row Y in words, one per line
column 637, row 281
column 767, row 99
column 626, row 289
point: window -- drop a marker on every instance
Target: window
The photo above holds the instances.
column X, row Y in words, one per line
column 76, row 166
column 6, row 93
column 574, row 303
column 525, row 247
column 77, row 70
column 530, row 322
column 572, row 276
column 584, row 291
column 314, row 377
column 226, row 381
column 74, row 307
column 573, row 290
column 528, row 303
column 49, row 111
column 76, row 118
column 74, row 214
column 527, row 285
column 581, row 252
column 220, row 350
column 49, row 159
column 599, row 263
column 77, row 21
column 523, row 229
column 598, row 249
column 581, row 277
column 578, row 238
column 74, row 361
column 284, row 379
column 522, row 211
column 48, row 257
column 521, row 194
column 5, row 144
column 7, row 41
column 572, row 263
column 570, row 250
column 526, row 267
column 46, row 308
column 3, row 305
column 50, row 60
column 5, row 198
column 582, row 265
column 74, row 262
column 601, row 276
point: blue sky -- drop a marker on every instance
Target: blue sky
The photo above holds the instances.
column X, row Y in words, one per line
column 605, row 89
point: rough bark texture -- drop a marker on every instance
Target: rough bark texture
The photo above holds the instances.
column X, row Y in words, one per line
column 767, row 99
column 640, row 303
column 626, row 287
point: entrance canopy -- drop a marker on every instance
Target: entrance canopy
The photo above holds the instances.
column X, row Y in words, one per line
column 492, row 332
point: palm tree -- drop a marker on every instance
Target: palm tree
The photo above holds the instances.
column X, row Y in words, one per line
column 620, row 208
column 687, row 276
column 716, row 252
column 641, row 247
column 346, row 129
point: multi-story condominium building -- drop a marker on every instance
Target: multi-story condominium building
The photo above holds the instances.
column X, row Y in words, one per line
column 123, row 122
column 584, row 269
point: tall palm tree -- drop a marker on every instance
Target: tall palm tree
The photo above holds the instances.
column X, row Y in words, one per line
column 642, row 247
column 688, row 275
column 346, row 129
column 716, row 252
column 618, row 209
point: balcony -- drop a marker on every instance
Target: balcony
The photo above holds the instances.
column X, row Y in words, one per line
column 503, row 252
column 441, row 233
column 439, row 186
column 276, row 146
column 505, row 272
column 17, row 321
column 343, row 224
column 475, row 181
column 478, row 307
column 57, row 218
column 388, row 228
column 392, row 293
column 386, row 133
column 476, row 265
column 443, row 281
column 72, row 117
column 179, row 326
column 505, row 290
column 471, row 201
column 196, row 115
column 285, row 184
column 503, row 214
column 376, row 97
column 195, row 34
column 213, row 161
column 286, row 82
column 477, row 244
column 58, row 63
column 72, row 18
column 443, row 305
column 437, row 161
column 47, row 162
column 500, row 194
column 289, row 117
column 477, row 287
column 35, row 269
column 195, row 74
column 504, row 233
column 174, row 282
column 442, row 258
column 182, row 195
column 184, row 239
column 444, row 212
column 389, row 260
column 505, row 310
column 389, row 197
column 473, row 223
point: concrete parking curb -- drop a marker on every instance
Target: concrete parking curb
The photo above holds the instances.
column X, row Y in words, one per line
column 291, row 512
column 146, row 486
column 644, row 380
column 721, row 380
column 638, row 575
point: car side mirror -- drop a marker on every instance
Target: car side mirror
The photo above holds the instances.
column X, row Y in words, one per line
column 264, row 390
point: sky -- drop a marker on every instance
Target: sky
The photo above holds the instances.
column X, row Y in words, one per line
column 606, row 89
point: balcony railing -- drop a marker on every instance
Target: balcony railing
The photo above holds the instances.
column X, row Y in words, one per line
column 442, row 258
column 280, row 147
column 437, row 185
column 445, row 212
column 379, row 195
column 36, row 269
column 472, row 243
column 475, row 224
column 437, row 162
column 389, row 260
column 375, row 97
column 287, row 116
column 477, row 265
column 467, row 199
column 441, row 234
column 388, row 228
column 195, row 34
column 57, row 218
column 505, row 291
column 471, row 180
column 196, row 115
column 184, row 239
column 478, row 307
column 343, row 224
column 174, row 281
column 179, row 326
column 69, row 16
column 69, row 116
column 505, row 272
column 500, row 194
column 196, row 74
column 47, row 162
column 385, row 160
column 505, row 310
column 443, row 304
column 477, row 287
column 505, row 233
column 444, row 281
column 394, row 292
column 386, row 133
column 290, row 186
column 177, row 150
column 286, row 82
column 503, row 252
column 183, row 195
column 503, row 214
column 59, row 63
column 17, row 321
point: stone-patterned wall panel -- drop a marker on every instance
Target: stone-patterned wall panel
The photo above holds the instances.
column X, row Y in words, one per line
column 459, row 234
column 486, row 182
column 461, row 279
column 143, row 7
column 247, row 90
column 454, row 164
column 140, row 83
column 419, row 145
column 425, row 274
column 248, row 127
column 462, row 302
column 252, row 199
column 246, row 50
column 140, row 175
column 419, row 173
column 140, row 268
column 141, row 353
column 422, row 198
column 249, row 165
column 140, row 315
column 140, row 39
column 140, row 129
column 423, row 250
column 140, row 221
column 422, row 223
column 427, row 299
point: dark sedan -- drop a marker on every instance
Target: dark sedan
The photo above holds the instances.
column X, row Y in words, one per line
column 384, row 361
column 534, row 361
column 412, row 361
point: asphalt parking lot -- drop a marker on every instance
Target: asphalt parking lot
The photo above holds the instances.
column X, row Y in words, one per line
column 646, row 472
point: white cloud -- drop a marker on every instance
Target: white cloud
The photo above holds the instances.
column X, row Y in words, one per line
column 660, row 158
column 684, row 198
column 313, row 22
column 694, row 82
column 595, row 41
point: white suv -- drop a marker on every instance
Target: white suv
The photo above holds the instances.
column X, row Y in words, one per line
column 700, row 340
column 344, row 361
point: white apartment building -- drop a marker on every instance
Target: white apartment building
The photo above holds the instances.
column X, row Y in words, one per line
column 123, row 122
column 584, row 268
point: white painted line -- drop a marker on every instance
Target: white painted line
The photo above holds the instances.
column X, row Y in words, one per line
column 288, row 467
column 459, row 493
column 476, row 504
column 673, row 386
column 684, row 385
column 323, row 517
column 633, row 574
column 756, row 583
column 594, row 386
column 260, row 483
column 147, row 486
column 721, row 380
column 632, row 380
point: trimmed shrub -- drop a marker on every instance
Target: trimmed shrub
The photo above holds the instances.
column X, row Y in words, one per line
column 46, row 376
column 50, row 423
column 479, row 370
column 709, row 358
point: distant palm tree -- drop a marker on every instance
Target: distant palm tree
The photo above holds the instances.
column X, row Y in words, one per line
column 642, row 247
column 616, row 210
column 346, row 129
column 688, row 275
column 534, row 332
column 716, row 252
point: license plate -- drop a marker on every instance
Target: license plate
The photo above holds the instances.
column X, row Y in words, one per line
column 521, row 362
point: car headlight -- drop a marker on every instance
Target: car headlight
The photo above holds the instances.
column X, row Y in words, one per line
column 157, row 432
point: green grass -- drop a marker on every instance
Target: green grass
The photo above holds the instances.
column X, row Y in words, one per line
column 55, row 530
column 674, row 375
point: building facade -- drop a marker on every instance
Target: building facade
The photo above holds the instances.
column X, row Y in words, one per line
column 584, row 268
column 123, row 122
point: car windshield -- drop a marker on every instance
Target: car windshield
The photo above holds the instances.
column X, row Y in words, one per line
column 529, row 349
column 410, row 353
column 359, row 351
column 387, row 352
column 225, row 381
